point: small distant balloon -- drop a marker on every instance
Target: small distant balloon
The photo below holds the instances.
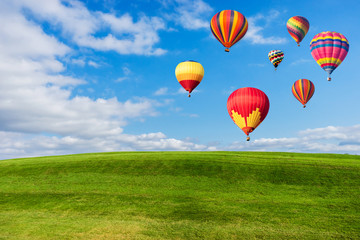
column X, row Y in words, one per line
column 329, row 50
column 189, row 74
column 248, row 107
column 228, row 27
column 303, row 90
column 275, row 57
column 298, row 27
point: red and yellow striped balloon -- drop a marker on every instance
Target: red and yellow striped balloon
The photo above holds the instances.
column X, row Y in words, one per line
column 303, row 90
column 248, row 107
column 228, row 27
column 189, row 74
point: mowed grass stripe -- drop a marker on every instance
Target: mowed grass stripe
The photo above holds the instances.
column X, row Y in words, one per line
column 181, row 195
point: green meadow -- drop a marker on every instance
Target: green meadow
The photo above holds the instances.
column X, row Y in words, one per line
column 181, row 195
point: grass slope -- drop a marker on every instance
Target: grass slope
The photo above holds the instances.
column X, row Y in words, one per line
column 181, row 195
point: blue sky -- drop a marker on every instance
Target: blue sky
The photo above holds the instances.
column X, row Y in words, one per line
column 96, row 76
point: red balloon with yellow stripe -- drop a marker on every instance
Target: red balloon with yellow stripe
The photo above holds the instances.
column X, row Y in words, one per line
column 303, row 90
column 248, row 107
column 189, row 74
column 228, row 27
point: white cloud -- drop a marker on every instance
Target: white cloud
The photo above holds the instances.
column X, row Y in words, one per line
column 161, row 91
column 38, row 114
column 128, row 37
column 36, row 97
column 335, row 133
column 255, row 32
column 81, row 26
column 93, row 64
column 190, row 14
column 329, row 139
column 30, row 39
column 80, row 62
column 14, row 145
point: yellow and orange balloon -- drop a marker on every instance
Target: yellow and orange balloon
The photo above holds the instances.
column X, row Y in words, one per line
column 189, row 74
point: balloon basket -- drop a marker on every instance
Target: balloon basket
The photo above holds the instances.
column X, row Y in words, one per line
column 248, row 138
column 227, row 50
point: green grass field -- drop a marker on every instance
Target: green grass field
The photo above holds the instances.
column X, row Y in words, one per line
column 181, row 195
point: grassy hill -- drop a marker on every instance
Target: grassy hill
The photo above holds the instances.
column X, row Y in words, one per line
column 181, row 195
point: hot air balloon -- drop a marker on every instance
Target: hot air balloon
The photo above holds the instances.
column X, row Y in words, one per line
column 303, row 90
column 248, row 107
column 228, row 27
column 276, row 56
column 189, row 74
column 298, row 27
column 329, row 50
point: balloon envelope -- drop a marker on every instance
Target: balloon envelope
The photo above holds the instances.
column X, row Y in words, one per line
column 228, row 27
column 275, row 57
column 329, row 50
column 248, row 107
column 303, row 90
column 298, row 27
column 189, row 74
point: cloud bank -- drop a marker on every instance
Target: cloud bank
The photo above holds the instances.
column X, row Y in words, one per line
column 38, row 113
column 331, row 139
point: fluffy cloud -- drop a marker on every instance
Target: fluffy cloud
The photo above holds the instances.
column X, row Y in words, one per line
column 80, row 25
column 255, row 32
column 329, row 139
column 30, row 39
column 190, row 14
column 35, row 97
column 13, row 145
column 161, row 91
column 38, row 113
